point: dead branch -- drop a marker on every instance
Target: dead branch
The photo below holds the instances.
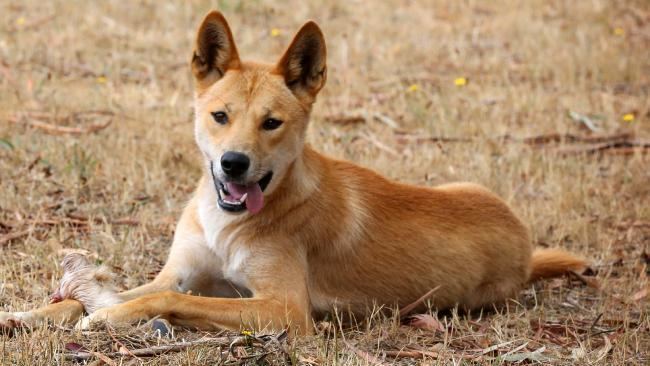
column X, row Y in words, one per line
column 411, row 354
column 385, row 120
column 62, row 130
column 419, row 139
column 423, row 354
column 123, row 349
column 532, row 140
column 80, row 221
column 619, row 148
column 5, row 239
column 566, row 137
column 150, row 351
column 405, row 311
column 345, row 119
column 362, row 117
column 37, row 120
column 123, row 221
column 378, row 144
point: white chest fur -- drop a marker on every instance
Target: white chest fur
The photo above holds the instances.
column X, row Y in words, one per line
column 233, row 257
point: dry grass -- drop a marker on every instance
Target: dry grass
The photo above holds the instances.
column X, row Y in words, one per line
column 117, row 191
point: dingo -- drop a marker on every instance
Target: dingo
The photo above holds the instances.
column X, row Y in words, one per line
column 277, row 232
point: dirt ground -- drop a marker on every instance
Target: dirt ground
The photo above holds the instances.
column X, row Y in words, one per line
column 545, row 102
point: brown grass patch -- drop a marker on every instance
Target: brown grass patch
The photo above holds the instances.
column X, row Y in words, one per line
column 393, row 103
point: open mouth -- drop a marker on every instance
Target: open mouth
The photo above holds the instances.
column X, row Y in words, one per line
column 235, row 197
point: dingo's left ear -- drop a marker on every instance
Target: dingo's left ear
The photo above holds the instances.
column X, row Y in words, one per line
column 303, row 64
column 215, row 51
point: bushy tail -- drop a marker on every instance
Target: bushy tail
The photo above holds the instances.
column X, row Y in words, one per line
column 548, row 263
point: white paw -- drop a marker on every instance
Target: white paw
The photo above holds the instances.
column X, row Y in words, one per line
column 100, row 316
column 13, row 320
column 83, row 323
column 90, row 285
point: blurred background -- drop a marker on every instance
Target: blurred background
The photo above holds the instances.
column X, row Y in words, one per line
column 545, row 102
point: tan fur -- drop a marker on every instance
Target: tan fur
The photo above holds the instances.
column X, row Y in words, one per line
column 330, row 232
column 548, row 263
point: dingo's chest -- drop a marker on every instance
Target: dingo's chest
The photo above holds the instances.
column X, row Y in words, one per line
column 223, row 242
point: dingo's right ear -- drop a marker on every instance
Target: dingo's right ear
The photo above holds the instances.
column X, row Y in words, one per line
column 215, row 51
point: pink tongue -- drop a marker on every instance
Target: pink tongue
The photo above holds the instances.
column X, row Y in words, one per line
column 254, row 199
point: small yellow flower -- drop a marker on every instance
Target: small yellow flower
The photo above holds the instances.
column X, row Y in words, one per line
column 413, row 88
column 102, row 79
column 20, row 21
column 628, row 117
column 618, row 31
column 247, row 333
column 275, row 32
column 461, row 81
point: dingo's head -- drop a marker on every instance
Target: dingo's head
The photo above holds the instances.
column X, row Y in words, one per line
column 251, row 118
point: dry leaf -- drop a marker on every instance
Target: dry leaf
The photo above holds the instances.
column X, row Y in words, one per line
column 640, row 294
column 536, row 356
column 496, row 347
column 426, row 322
column 74, row 347
column 604, row 350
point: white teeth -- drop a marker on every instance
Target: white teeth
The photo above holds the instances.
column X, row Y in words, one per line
column 225, row 196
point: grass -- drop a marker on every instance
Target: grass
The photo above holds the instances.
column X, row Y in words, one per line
column 117, row 192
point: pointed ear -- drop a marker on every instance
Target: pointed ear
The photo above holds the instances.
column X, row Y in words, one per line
column 215, row 51
column 303, row 64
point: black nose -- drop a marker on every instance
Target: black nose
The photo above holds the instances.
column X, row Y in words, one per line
column 234, row 164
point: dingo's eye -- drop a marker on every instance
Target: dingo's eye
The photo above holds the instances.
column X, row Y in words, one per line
column 220, row 117
column 271, row 124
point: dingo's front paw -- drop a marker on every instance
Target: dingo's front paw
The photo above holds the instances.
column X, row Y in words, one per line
column 90, row 285
column 121, row 314
column 13, row 320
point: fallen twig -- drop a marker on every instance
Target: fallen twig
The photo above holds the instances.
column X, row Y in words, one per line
column 79, row 221
column 567, row 137
column 584, row 120
column 125, row 221
column 619, row 144
column 61, row 130
column 408, row 353
column 620, row 147
column 35, row 119
column 361, row 117
column 123, row 349
column 13, row 236
column 378, row 144
column 532, row 140
column 150, row 351
column 411, row 354
column 345, row 119
column 122, row 221
column 419, row 139
column 385, row 120
column 405, row 311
